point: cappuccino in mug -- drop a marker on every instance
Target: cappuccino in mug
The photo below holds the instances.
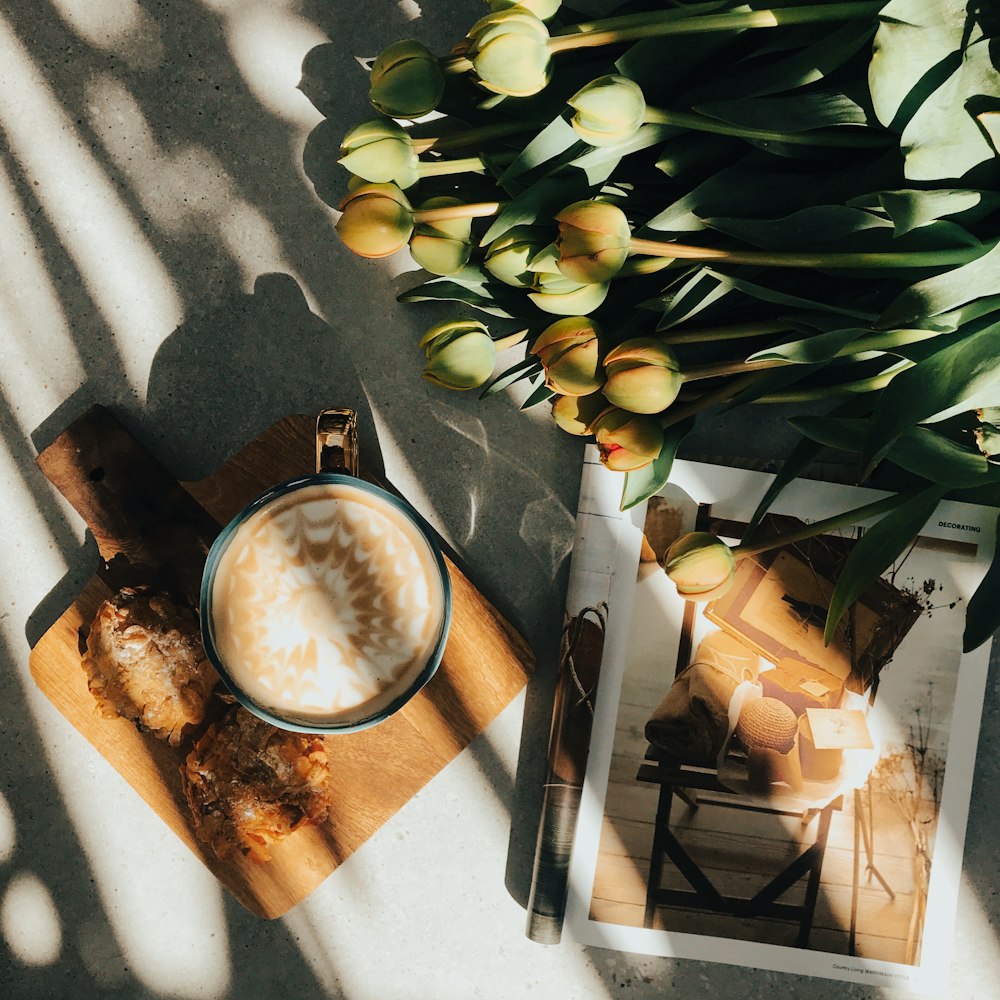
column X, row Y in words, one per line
column 327, row 605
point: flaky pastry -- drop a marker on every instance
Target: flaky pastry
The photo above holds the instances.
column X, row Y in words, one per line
column 145, row 662
column 249, row 784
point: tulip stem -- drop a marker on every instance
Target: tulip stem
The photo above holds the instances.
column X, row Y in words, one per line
column 441, row 168
column 477, row 210
column 844, row 520
column 473, row 136
column 722, row 368
column 841, row 137
column 711, row 334
column 837, row 390
column 643, row 265
column 763, row 258
column 725, row 392
column 630, row 20
column 652, row 25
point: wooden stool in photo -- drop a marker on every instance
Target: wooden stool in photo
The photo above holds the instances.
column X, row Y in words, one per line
column 698, row 787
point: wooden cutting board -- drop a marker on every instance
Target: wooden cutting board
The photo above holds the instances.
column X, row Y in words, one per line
column 151, row 528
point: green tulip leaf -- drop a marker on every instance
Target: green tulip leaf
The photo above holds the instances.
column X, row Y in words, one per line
column 945, row 291
column 878, row 548
column 751, row 187
column 841, row 433
column 803, row 65
column 538, row 203
column 944, row 138
column 600, row 162
column 794, row 301
column 768, row 382
column 986, row 396
column 920, row 450
column 527, row 368
column 799, row 459
column 912, row 208
column 641, row 484
column 695, row 153
column 452, row 291
column 916, row 45
column 540, row 395
column 924, row 452
column 818, row 322
column 956, row 319
column 660, row 65
column 982, row 614
column 696, row 293
column 809, row 228
column 552, row 141
column 802, row 112
column 811, row 350
column 958, row 376
column 930, row 67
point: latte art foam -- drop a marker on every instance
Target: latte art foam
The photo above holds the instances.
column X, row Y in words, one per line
column 326, row 604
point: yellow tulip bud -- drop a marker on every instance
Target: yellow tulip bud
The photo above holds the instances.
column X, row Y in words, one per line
column 509, row 50
column 609, row 110
column 643, row 375
column 460, row 354
column 627, row 441
column 407, row 80
column 571, row 354
column 376, row 220
column 701, row 565
column 593, row 241
column 542, row 9
column 442, row 247
column 380, row 151
column 509, row 255
column 553, row 293
column 575, row 414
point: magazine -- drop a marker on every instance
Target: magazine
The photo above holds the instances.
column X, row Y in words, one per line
column 803, row 803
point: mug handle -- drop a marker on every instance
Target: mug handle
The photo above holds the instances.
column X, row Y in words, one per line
column 337, row 441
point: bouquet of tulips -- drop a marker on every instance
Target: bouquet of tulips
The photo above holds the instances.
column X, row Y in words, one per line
column 693, row 205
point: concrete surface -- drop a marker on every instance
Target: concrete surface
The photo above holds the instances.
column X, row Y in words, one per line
column 163, row 253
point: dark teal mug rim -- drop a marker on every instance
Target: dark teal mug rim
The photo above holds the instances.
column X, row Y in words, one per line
column 208, row 580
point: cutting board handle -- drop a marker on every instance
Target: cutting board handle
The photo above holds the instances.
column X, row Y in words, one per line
column 147, row 527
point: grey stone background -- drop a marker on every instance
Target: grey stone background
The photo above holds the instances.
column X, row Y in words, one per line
column 162, row 253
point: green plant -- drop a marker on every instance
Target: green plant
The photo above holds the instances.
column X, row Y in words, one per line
column 752, row 203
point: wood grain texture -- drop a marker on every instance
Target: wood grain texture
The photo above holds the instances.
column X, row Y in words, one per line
column 147, row 523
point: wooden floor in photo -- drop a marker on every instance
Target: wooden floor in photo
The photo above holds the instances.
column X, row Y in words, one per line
column 740, row 852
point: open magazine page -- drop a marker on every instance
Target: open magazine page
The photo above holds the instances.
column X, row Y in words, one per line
column 755, row 797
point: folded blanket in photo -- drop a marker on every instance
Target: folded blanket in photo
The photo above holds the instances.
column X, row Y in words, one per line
column 691, row 724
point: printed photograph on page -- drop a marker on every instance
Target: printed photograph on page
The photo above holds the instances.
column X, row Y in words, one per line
column 766, row 787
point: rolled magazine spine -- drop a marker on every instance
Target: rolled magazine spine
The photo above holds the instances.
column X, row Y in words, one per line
column 594, row 551
column 569, row 743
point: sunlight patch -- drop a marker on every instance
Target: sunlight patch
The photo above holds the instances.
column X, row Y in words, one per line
column 8, row 831
column 120, row 26
column 401, row 473
column 268, row 47
column 30, row 922
column 33, row 325
column 117, row 265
